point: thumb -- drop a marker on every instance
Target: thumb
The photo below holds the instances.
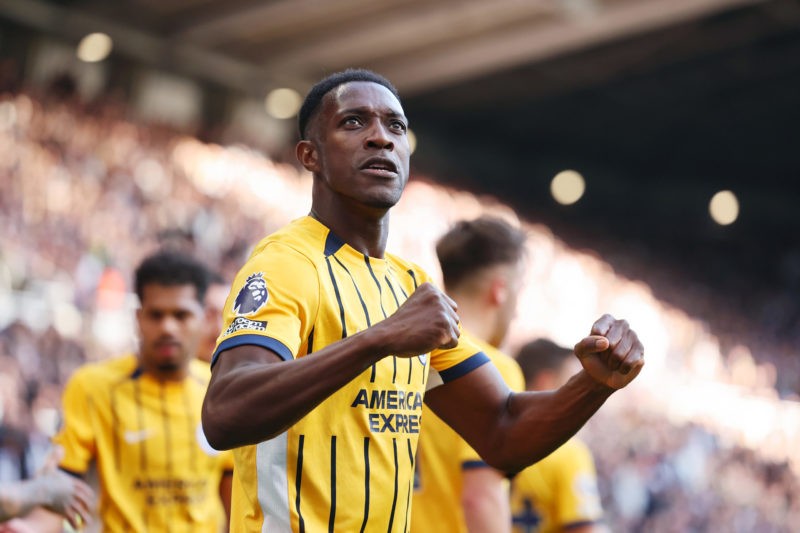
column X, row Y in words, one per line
column 591, row 344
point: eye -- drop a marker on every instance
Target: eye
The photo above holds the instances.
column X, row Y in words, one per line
column 398, row 125
column 351, row 121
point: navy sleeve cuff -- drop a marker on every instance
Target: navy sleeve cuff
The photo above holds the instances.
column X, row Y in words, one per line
column 269, row 343
column 470, row 465
column 464, row 367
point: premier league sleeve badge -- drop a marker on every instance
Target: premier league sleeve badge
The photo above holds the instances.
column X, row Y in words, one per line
column 252, row 296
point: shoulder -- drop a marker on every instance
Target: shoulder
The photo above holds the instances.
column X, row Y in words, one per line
column 107, row 370
column 93, row 380
column 572, row 456
column 509, row 369
column 301, row 238
column 577, row 451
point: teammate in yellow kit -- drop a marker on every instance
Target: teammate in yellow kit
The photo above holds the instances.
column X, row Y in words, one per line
column 138, row 416
column 330, row 344
column 482, row 268
column 559, row 493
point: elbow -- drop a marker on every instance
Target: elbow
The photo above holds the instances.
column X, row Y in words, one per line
column 214, row 430
column 503, row 459
column 503, row 464
column 225, row 431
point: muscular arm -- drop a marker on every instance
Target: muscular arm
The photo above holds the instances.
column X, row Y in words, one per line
column 484, row 498
column 513, row 430
column 254, row 396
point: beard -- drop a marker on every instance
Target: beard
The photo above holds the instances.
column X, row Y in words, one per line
column 168, row 366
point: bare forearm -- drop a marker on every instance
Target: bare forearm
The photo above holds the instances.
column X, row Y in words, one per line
column 511, row 431
column 537, row 423
column 14, row 502
column 253, row 402
column 18, row 499
column 484, row 499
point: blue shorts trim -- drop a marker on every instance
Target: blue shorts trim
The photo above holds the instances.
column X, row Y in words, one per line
column 269, row 343
column 464, row 367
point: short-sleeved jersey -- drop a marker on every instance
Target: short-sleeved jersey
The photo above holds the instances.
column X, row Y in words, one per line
column 156, row 469
column 348, row 464
column 557, row 492
column 443, row 456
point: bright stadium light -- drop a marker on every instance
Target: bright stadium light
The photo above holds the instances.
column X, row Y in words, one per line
column 94, row 47
column 567, row 187
column 283, row 103
column 724, row 208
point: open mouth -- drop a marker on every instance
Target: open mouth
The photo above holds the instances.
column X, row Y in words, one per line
column 380, row 166
column 167, row 347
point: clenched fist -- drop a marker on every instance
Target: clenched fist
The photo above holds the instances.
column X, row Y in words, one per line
column 426, row 321
column 612, row 353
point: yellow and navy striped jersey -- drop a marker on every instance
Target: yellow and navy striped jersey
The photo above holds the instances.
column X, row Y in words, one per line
column 558, row 492
column 347, row 465
column 157, row 471
column 443, row 456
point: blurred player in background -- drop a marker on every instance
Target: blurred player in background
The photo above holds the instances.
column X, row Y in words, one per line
column 455, row 490
column 559, row 493
column 138, row 416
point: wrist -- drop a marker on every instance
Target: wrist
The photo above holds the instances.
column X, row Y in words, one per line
column 593, row 385
column 374, row 342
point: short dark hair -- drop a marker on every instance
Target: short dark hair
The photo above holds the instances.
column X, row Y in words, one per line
column 171, row 268
column 472, row 245
column 215, row 278
column 317, row 93
column 539, row 355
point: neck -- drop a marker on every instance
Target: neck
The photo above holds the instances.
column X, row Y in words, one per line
column 163, row 375
column 477, row 317
column 364, row 229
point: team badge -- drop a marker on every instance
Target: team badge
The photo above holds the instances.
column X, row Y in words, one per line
column 252, row 296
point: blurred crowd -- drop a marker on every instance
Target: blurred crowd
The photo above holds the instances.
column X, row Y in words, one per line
column 766, row 315
column 87, row 192
column 657, row 476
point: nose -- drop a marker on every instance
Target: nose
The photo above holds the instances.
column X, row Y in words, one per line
column 169, row 325
column 378, row 137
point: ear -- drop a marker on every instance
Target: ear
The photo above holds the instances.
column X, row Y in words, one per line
column 498, row 291
column 306, row 153
column 545, row 379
